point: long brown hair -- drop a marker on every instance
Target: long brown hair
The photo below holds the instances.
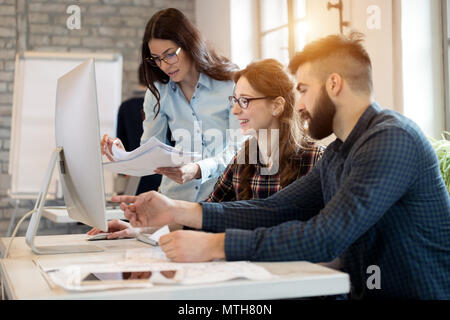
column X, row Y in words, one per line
column 172, row 24
column 269, row 78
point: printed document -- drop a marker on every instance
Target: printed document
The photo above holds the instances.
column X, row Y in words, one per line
column 148, row 157
column 70, row 277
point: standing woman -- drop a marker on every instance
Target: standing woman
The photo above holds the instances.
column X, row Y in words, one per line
column 188, row 85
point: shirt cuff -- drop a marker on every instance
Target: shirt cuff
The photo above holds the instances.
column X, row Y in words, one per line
column 212, row 219
column 238, row 244
column 208, row 167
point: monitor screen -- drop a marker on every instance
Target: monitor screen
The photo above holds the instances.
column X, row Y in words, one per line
column 77, row 131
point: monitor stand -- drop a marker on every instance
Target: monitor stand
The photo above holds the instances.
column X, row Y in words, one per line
column 36, row 217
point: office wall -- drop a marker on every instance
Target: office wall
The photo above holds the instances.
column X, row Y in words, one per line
column 40, row 25
column 230, row 26
column 215, row 27
column 379, row 44
column 8, row 44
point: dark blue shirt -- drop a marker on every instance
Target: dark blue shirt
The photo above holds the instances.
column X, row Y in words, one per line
column 377, row 199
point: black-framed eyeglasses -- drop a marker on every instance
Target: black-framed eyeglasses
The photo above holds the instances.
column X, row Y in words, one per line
column 243, row 101
column 169, row 58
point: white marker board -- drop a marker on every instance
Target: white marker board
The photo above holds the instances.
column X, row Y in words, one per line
column 33, row 127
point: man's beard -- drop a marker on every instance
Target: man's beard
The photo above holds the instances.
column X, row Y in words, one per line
column 320, row 125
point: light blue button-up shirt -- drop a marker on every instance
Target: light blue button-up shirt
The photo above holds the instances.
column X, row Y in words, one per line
column 205, row 119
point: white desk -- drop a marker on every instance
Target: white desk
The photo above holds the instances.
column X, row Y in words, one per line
column 24, row 280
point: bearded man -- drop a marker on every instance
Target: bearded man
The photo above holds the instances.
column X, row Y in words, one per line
column 376, row 198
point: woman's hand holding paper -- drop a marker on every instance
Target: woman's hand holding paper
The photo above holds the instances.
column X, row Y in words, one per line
column 181, row 174
column 106, row 146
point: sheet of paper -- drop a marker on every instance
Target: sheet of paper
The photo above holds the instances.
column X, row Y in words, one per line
column 120, row 154
column 201, row 272
column 148, row 254
column 70, row 277
column 148, row 157
column 152, row 143
column 210, row 272
column 159, row 233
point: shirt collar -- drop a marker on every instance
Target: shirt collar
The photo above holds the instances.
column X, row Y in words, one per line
column 173, row 85
column 203, row 80
column 360, row 127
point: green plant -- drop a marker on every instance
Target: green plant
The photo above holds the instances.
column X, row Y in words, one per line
column 442, row 148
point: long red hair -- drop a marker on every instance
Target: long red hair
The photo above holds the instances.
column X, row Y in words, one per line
column 270, row 79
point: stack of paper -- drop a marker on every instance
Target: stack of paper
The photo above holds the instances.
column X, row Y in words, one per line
column 148, row 157
column 71, row 277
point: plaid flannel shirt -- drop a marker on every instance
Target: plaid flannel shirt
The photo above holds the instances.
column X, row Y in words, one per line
column 377, row 199
column 228, row 186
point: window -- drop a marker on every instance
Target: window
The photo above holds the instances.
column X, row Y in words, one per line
column 282, row 28
column 446, row 49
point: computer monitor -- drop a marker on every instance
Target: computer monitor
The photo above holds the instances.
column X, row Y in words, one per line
column 77, row 154
column 77, row 131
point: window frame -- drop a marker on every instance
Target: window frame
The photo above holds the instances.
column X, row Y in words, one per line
column 445, row 50
column 291, row 24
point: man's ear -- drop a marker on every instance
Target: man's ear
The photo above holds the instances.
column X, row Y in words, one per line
column 278, row 106
column 334, row 84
